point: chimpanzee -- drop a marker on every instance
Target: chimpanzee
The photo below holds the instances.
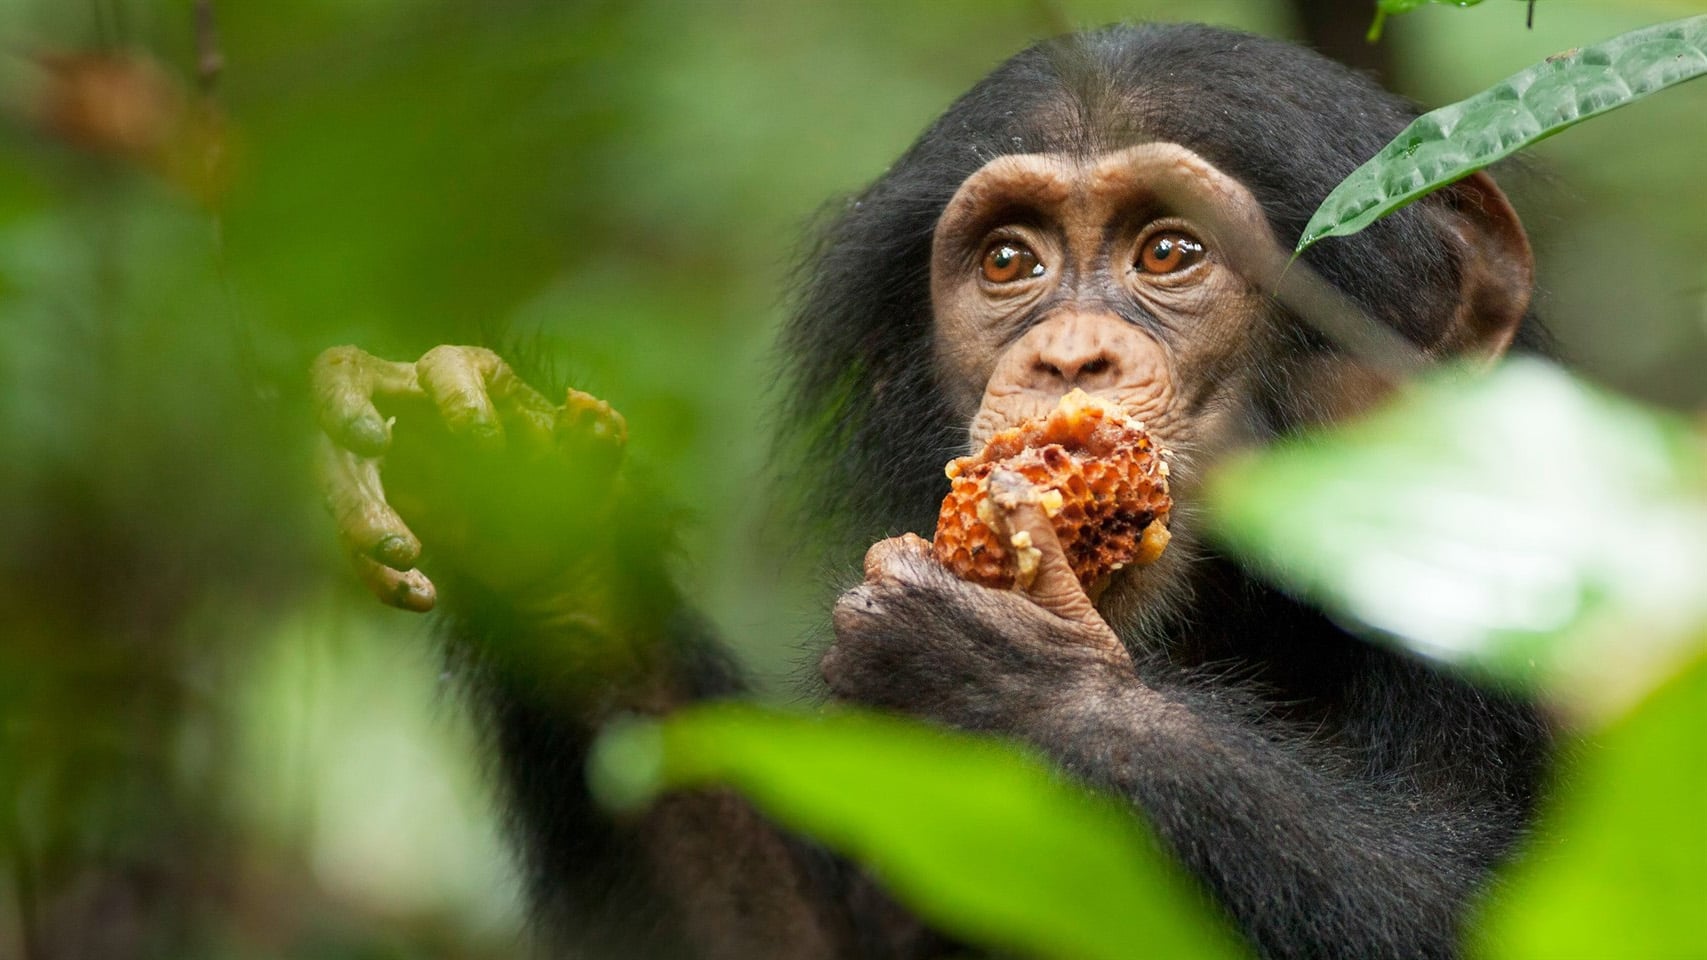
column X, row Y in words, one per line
column 1078, row 219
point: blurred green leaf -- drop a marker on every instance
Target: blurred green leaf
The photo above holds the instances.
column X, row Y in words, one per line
column 1621, row 870
column 982, row 839
column 1522, row 524
column 1451, row 143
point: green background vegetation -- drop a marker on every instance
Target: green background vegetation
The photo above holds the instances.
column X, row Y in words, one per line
column 211, row 743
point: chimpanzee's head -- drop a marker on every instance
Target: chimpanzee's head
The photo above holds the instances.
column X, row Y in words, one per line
column 1088, row 216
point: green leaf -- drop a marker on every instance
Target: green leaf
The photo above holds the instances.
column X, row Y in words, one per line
column 1520, row 523
column 1619, row 868
column 981, row 838
column 1451, row 143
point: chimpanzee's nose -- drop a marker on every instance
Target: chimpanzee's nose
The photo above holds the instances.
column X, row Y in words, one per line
column 1074, row 350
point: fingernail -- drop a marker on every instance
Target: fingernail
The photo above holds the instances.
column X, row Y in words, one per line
column 395, row 551
column 421, row 595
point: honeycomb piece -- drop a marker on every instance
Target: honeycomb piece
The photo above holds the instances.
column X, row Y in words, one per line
column 1095, row 472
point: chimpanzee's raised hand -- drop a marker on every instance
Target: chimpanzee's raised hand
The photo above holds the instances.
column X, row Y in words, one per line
column 914, row 637
column 455, row 463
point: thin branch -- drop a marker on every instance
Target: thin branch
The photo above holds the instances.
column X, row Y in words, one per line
column 210, row 61
column 24, row 885
column 210, row 65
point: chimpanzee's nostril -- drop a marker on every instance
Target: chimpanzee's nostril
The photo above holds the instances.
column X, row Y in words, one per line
column 1044, row 368
column 1091, row 369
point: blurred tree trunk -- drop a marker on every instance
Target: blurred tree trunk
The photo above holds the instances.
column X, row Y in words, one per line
column 1338, row 28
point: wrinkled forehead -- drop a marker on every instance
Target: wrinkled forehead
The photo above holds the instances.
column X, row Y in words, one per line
column 1166, row 176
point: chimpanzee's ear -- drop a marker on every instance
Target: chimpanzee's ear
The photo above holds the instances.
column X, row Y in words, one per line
column 1496, row 270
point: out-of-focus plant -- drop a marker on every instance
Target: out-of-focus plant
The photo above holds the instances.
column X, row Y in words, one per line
column 1520, row 525
column 1540, row 533
column 1619, row 866
column 978, row 835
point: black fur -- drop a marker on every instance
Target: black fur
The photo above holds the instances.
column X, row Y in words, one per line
column 1337, row 799
column 1288, row 123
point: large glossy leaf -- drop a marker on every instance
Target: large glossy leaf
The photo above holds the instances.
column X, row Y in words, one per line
column 1519, row 523
column 1619, row 866
column 1457, row 140
column 979, row 837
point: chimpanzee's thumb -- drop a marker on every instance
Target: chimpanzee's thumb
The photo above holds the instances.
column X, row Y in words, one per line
column 1044, row 573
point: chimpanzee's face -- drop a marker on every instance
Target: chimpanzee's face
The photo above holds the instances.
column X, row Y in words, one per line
column 1125, row 275
column 1118, row 275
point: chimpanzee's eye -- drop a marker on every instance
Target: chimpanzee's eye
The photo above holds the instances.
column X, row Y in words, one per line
column 1170, row 252
column 1008, row 260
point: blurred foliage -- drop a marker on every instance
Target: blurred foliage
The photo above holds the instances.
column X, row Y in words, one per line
column 983, row 839
column 1542, row 534
column 1519, row 524
column 1620, row 865
column 210, row 745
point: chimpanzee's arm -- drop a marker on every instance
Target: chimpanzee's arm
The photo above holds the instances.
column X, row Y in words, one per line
column 1366, row 838
column 562, row 614
column 1316, row 851
column 697, row 875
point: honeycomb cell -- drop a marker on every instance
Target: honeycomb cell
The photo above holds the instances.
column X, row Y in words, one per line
column 1097, row 474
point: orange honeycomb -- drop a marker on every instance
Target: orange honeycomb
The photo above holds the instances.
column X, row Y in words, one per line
column 1093, row 470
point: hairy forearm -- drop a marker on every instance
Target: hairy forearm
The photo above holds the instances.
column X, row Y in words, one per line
column 589, row 647
column 698, row 874
column 1363, row 834
column 573, row 604
column 1313, row 853
column 457, row 487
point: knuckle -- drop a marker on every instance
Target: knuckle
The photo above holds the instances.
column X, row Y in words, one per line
column 341, row 355
column 874, row 559
column 461, row 358
column 483, row 357
column 336, row 365
column 855, row 609
column 441, row 355
column 916, row 544
column 899, row 560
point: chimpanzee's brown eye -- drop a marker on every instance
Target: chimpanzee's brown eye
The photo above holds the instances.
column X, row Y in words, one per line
column 1170, row 252
column 1008, row 260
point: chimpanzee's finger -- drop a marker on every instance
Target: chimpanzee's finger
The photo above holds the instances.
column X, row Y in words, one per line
column 891, row 559
column 591, row 433
column 344, row 381
column 1045, row 574
column 588, row 414
column 455, row 379
column 356, row 499
column 527, row 416
column 403, row 589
